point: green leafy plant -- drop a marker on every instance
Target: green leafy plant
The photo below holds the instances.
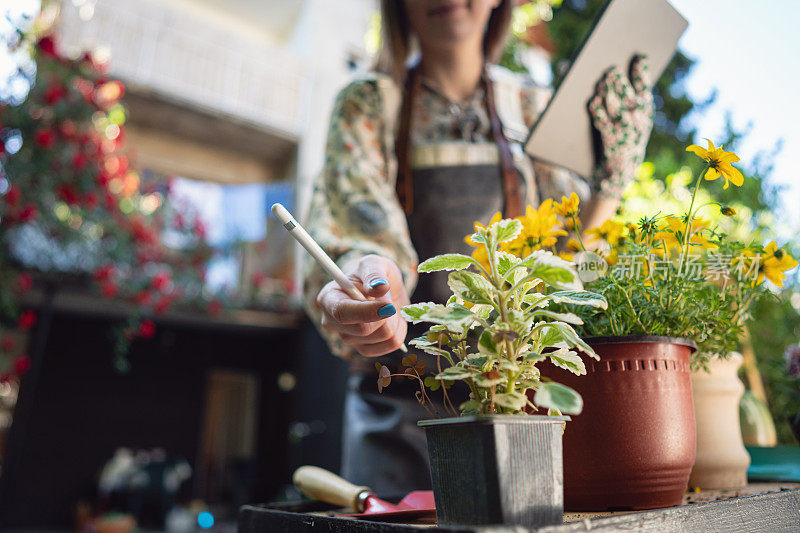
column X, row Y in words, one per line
column 680, row 276
column 498, row 325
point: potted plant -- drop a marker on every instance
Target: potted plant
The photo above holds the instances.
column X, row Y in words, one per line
column 497, row 464
column 663, row 303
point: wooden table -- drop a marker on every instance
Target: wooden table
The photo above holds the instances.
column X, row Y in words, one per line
column 762, row 507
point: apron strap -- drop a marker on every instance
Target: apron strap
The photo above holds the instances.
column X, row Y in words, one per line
column 513, row 203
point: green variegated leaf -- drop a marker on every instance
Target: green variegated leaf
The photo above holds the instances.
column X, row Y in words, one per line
column 570, row 318
column 508, row 366
column 506, row 230
column 478, row 237
column 533, row 357
column 413, row 313
column 471, row 287
column 511, row 400
column 553, row 270
column 446, row 262
column 568, row 360
column 470, row 407
column 482, row 310
column 454, row 373
column 552, row 395
column 455, row 317
column 536, row 299
column 550, row 336
column 477, row 361
column 430, row 348
column 486, row 344
column 505, row 261
column 579, row 298
column 573, row 339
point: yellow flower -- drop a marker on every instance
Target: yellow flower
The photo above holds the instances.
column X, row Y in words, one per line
column 610, row 231
column 569, row 206
column 719, row 162
column 572, row 223
column 480, row 254
column 566, row 256
column 774, row 263
column 540, row 229
column 611, row 258
column 574, row 245
column 673, row 233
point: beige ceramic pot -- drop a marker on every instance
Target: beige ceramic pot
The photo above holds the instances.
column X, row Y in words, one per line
column 722, row 460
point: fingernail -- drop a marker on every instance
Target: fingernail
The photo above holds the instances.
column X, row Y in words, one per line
column 387, row 311
column 380, row 281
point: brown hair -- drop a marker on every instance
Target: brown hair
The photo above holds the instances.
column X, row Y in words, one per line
column 396, row 36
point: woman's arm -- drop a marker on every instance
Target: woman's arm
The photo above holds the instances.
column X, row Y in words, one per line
column 354, row 216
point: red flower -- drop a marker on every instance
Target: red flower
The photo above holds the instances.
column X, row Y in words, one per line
column 67, row 194
column 6, row 378
column 45, row 137
column 214, row 307
column 22, row 364
column 13, row 195
column 141, row 233
column 147, row 329
column 79, row 161
column 54, row 93
column 163, row 304
column 109, row 289
column 104, row 272
column 28, row 213
column 68, row 130
column 24, row 282
column 47, row 46
column 91, row 200
column 142, row 298
column 7, row 343
column 26, row 320
column 160, row 281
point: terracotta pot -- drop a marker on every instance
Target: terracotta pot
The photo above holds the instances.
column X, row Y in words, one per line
column 722, row 460
column 633, row 446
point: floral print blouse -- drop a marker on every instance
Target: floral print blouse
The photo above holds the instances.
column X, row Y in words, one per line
column 354, row 208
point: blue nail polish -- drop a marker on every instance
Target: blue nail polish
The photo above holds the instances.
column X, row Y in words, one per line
column 380, row 281
column 387, row 311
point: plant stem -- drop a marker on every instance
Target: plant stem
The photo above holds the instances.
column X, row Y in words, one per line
column 688, row 234
column 578, row 232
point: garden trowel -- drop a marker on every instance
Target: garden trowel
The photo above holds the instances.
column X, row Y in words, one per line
column 326, row 486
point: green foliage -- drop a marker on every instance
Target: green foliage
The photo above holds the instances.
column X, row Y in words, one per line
column 778, row 322
column 507, row 309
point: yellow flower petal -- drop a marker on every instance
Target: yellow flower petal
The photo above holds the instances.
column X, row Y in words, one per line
column 732, row 174
column 698, row 150
column 712, row 174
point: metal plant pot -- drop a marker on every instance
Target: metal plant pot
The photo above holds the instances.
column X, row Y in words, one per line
column 497, row 469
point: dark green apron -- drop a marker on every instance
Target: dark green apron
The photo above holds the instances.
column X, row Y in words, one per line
column 383, row 448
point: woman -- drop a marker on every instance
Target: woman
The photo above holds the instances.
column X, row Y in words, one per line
column 413, row 158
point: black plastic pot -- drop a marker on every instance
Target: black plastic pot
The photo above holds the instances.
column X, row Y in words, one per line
column 497, row 469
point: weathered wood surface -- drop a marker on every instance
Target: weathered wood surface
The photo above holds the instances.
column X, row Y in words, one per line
column 719, row 511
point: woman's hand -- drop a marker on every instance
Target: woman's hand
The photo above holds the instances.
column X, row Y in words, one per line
column 622, row 111
column 373, row 327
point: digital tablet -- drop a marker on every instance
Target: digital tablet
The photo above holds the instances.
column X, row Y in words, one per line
column 563, row 135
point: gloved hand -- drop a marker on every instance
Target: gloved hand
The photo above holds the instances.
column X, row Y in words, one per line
column 622, row 112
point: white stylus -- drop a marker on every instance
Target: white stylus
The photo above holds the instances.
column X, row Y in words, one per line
column 301, row 235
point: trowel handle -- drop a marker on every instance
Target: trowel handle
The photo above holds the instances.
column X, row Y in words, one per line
column 326, row 486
